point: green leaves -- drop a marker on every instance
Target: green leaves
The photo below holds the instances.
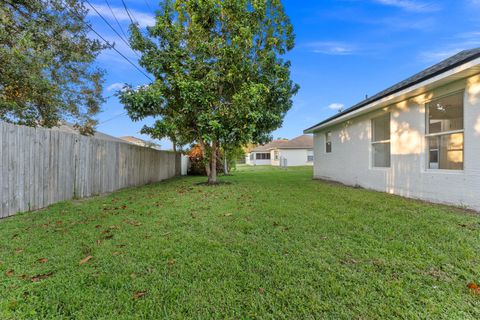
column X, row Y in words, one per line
column 46, row 58
column 220, row 78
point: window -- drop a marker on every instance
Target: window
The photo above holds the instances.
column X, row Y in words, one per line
column 381, row 141
column 328, row 142
column 276, row 155
column 252, row 156
column 263, row 156
column 444, row 126
column 309, row 155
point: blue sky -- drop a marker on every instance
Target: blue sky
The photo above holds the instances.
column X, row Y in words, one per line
column 345, row 49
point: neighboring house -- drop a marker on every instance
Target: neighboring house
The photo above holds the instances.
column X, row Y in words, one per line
column 295, row 152
column 419, row 138
column 140, row 142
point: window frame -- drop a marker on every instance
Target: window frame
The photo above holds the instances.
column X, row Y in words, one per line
column 312, row 155
column 328, row 142
column 373, row 142
column 429, row 135
column 262, row 156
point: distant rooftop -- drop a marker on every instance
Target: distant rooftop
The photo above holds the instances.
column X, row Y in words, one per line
column 140, row 142
column 67, row 127
column 301, row 142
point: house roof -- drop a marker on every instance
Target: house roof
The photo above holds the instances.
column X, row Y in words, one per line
column 271, row 145
column 140, row 142
column 67, row 127
column 302, row 142
column 133, row 139
column 437, row 69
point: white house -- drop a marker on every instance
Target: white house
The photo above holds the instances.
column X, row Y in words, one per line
column 419, row 138
column 295, row 152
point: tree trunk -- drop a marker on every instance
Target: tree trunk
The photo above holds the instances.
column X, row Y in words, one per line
column 205, row 156
column 212, row 177
column 225, row 162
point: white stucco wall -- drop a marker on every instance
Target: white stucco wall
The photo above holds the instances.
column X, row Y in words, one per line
column 295, row 157
column 350, row 160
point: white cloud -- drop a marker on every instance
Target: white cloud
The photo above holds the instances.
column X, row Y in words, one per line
column 336, row 106
column 143, row 19
column 463, row 41
column 115, row 86
column 410, row 5
column 331, row 47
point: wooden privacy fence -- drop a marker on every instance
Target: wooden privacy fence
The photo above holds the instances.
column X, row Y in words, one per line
column 39, row 167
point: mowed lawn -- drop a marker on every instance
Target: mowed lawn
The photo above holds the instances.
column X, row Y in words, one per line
column 273, row 244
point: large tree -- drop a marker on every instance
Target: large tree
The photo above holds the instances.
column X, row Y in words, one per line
column 220, row 79
column 46, row 58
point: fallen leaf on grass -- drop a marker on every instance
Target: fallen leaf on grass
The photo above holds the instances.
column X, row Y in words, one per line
column 139, row 294
column 43, row 260
column 171, row 262
column 19, row 250
column 85, row 260
column 474, row 288
column 115, row 253
column 227, row 214
column 9, row 273
column 41, row 276
column 261, row 290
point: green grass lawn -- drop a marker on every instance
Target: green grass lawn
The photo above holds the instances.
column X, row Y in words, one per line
column 273, row 244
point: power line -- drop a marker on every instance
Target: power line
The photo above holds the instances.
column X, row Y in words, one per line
column 128, row 13
column 115, row 17
column 121, row 54
column 113, row 118
column 108, row 44
column 148, row 5
column 108, row 23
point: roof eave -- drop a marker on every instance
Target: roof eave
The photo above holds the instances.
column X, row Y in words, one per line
column 414, row 90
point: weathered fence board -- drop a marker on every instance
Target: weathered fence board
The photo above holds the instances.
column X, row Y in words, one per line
column 39, row 167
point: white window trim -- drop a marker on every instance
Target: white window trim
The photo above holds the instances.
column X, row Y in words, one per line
column 372, row 143
column 325, row 145
column 444, row 133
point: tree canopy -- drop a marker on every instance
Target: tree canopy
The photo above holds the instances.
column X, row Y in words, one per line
column 220, row 79
column 47, row 60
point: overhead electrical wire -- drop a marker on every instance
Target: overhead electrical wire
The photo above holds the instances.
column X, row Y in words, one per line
column 115, row 17
column 121, row 54
column 108, row 23
column 112, row 47
column 128, row 13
